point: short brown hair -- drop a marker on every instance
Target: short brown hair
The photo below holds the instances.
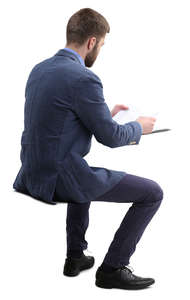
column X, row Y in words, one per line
column 86, row 23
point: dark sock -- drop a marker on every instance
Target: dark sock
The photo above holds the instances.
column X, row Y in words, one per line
column 75, row 254
column 107, row 268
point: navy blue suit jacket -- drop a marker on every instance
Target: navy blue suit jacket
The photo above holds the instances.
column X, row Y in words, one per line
column 64, row 107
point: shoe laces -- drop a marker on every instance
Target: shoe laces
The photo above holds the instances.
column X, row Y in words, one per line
column 127, row 268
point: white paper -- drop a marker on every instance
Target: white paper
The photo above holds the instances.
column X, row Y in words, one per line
column 133, row 112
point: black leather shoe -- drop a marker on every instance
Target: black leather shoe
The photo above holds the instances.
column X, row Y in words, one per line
column 73, row 266
column 122, row 278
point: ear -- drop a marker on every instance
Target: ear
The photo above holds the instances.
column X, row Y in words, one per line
column 91, row 42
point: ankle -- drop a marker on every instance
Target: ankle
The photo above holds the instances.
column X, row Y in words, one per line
column 75, row 254
column 107, row 268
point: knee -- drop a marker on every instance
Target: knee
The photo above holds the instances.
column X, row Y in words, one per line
column 157, row 191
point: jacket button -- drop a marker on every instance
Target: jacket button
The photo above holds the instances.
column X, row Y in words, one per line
column 133, row 142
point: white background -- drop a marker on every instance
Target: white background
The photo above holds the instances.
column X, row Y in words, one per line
column 145, row 61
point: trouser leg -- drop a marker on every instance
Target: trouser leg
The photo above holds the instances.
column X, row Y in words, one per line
column 77, row 222
column 146, row 196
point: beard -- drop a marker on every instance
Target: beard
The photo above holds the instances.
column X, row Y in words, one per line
column 91, row 57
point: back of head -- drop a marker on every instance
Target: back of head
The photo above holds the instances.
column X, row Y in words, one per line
column 86, row 23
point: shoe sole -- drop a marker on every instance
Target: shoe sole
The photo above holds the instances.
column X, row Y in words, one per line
column 127, row 287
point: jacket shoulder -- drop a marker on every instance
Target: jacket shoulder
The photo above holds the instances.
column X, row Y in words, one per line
column 90, row 77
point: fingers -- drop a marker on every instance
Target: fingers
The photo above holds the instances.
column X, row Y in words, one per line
column 153, row 119
column 122, row 106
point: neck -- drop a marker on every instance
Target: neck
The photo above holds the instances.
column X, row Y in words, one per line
column 80, row 50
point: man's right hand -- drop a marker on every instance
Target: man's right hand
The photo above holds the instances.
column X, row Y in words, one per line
column 147, row 124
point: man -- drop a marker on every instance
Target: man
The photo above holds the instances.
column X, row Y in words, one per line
column 64, row 107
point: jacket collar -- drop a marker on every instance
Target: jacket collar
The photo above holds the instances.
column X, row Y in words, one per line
column 63, row 52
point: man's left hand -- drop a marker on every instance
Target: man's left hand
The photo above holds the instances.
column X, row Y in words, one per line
column 117, row 108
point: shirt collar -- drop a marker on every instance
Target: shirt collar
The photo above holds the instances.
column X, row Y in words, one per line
column 76, row 53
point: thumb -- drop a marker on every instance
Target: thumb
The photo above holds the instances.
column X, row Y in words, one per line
column 124, row 106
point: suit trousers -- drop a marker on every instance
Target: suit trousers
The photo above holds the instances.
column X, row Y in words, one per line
column 146, row 196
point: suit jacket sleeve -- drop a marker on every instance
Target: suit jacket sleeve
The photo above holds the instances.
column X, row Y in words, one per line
column 91, row 108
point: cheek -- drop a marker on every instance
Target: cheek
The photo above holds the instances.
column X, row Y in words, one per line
column 98, row 50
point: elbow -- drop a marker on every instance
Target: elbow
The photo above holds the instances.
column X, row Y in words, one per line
column 107, row 141
column 114, row 144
